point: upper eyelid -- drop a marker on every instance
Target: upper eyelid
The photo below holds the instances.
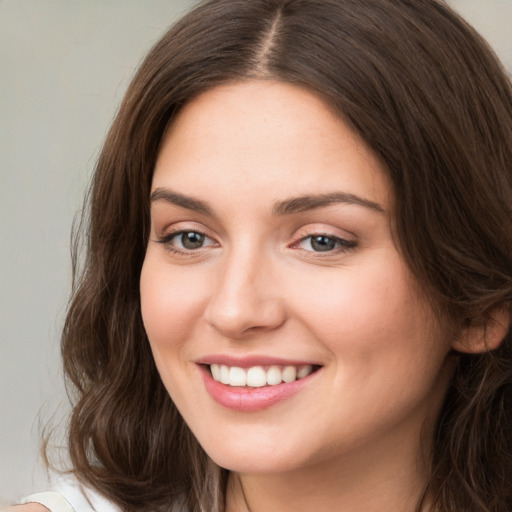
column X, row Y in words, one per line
column 305, row 231
column 346, row 241
column 184, row 226
column 327, row 235
column 317, row 229
column 175, row 232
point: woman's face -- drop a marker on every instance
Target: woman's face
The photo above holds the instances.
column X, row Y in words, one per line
column 271, row 263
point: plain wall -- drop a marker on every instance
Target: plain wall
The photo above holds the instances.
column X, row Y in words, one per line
column 64, row 66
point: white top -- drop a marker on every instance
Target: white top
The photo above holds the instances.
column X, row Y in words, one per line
column 70, row 496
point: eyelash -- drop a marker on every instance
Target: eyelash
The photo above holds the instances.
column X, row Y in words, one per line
column 341, row 245
column 169, row 237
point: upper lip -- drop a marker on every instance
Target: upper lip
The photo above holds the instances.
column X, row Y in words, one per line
column 254, row 360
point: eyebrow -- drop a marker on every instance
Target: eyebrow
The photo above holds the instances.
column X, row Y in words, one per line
column 164, row 194
column 286, row 207
column 311, row 202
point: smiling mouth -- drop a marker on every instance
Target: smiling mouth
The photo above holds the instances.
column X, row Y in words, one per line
column 259, row 376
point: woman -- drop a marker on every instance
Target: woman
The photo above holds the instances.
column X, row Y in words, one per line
column 297, row 285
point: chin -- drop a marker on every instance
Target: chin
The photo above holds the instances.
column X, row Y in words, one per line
column 255, row 465
column 257, row 458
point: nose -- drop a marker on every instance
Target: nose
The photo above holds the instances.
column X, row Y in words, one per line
column 247, row 299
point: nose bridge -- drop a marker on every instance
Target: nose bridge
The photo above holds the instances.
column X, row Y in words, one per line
column 245, row 297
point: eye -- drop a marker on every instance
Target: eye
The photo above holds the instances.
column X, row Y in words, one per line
column 190, row 239
column 184, row 241
column 324, row 243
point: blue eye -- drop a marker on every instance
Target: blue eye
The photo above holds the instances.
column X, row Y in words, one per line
column 325, row 243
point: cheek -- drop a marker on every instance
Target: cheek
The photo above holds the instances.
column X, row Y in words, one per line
column 171, row 302
column 373, row 317
column 387, row 350
column 373, row 297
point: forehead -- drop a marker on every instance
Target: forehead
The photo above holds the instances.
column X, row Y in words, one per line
column 270, row 138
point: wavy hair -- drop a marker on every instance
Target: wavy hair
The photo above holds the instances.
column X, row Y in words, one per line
column 430, row 98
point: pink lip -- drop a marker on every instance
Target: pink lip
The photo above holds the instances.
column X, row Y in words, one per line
column 251, row 399
column 248, row 361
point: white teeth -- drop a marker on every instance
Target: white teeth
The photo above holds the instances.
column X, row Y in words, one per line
column 237, row 377
column 224, row 374
column 215, row 372
column 304, row 371
column 274, row 376
column 256, row 376
column 289, row 373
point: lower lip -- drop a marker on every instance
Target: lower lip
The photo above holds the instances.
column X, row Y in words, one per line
column 251, row 399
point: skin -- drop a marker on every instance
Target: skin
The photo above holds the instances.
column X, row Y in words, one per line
column 29, row 507
column 353, row 437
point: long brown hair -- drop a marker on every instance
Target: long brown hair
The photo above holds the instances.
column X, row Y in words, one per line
column 430, row 98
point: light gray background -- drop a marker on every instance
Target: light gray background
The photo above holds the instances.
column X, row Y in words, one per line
column 64, row 65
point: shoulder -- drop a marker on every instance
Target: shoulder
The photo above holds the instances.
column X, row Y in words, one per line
column 67, row 496
column 44, row 502
column 28, row 507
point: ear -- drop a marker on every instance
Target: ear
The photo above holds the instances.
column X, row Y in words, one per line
column 485, row 335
